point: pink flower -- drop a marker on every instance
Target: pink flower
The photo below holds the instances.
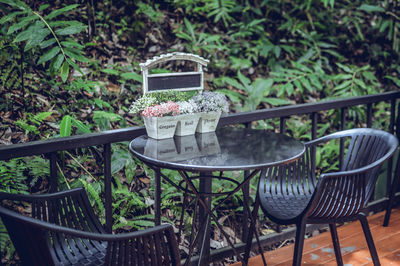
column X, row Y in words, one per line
column 159, row 110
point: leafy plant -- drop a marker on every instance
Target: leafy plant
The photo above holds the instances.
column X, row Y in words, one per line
column 299, row 80
column 326, row 158
column 149, row 11
column 12, row 179
column 198, row 42
column 94, row 196
column 19, row 176
column 355, row 81
column 103, row 119
column 66, row 126
column 6, row 246
column 31, row 122
column 220, row 10
column 251, row 93
column 46, row 34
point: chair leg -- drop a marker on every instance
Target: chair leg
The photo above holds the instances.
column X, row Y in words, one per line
column 368, row 237
column 336, row 245
column 299, row 242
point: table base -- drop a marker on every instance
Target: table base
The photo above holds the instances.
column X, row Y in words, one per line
column 203, row 200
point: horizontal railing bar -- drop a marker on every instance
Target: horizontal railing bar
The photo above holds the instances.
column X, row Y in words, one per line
column 305, row 108
column 117, row 135
column 60, row 144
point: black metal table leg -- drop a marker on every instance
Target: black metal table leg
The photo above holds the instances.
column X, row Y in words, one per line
column 252, row 230
column 246, row 214
column 209, row 211
column 204, row 245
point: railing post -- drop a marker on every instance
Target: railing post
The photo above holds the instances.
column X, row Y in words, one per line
column 342, row 127
column 369, row 124
column 282, row 125
column 313, row 136
column 369, row 115
column 53, row 172
column 313, row 125
column 107, row 186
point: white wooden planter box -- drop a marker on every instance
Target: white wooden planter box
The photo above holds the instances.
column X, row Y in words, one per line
column 160, row 127
column 208, row 122
column 187, row 124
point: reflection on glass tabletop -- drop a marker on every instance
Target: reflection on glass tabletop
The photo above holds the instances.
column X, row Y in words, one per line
column 225, row 149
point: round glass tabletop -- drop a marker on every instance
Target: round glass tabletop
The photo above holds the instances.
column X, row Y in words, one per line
column 225, row 149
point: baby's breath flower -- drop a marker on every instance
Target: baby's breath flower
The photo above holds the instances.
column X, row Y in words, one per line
column 143, row 102
column 188, row 107
column 208, row 101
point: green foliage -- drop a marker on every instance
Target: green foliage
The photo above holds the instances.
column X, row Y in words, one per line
column 19, row 176
column 6, row 246
column 67, row 124
column 299, row 80
column 327, row 157
column 18, row 173
column 355, row 81
column 151, row 12
column 127, row 203
column 174, row 96
column 12, row 179
column 103, row 119
column 31, row 122
column 251, row 93
column 197, row 42
column 262, row 54
column 220, row 10
column 47, row 34
column 94, row 197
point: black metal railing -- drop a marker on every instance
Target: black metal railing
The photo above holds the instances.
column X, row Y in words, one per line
column 50, row 147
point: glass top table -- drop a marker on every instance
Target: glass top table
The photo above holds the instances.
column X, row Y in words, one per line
column 224, row 150
column 200, row 156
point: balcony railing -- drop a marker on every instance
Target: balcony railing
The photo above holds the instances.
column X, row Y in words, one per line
column 50, row 147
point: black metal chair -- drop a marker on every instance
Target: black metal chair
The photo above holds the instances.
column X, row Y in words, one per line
column 64, row 230
column 292, row 194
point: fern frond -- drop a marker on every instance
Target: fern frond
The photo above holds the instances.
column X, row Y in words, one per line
column 95, row 196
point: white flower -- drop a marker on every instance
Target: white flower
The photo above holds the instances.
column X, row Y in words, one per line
column 188, row 107
column 211, row 101
column 140, row 104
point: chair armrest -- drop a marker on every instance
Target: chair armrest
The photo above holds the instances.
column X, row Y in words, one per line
column 45, row 226
column 358, row 170
column 29, row 198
